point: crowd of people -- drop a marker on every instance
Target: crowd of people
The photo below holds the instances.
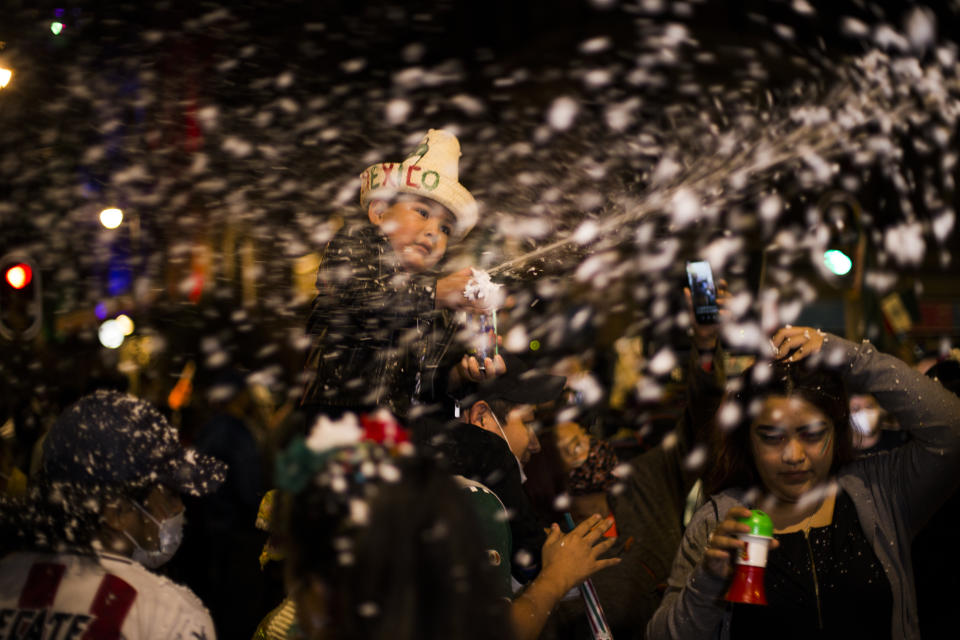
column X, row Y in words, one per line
column 432, row 493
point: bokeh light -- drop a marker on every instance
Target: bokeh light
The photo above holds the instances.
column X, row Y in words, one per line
column 125, row 323
column 110, row 334
column 111, row 218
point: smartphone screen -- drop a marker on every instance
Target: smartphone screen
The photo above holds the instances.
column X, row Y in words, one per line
column 703, row 291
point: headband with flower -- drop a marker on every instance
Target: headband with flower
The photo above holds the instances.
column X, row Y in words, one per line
column 337, row 447
column 336, row 454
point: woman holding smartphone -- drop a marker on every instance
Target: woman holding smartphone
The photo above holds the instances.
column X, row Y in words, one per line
column 840, row 564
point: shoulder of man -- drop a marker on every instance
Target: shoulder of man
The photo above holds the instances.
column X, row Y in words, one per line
column 175, row 610
column 470, row 450
column 106, row 595
column 496, row 533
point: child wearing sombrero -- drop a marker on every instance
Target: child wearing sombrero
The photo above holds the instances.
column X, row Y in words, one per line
column 380, row 300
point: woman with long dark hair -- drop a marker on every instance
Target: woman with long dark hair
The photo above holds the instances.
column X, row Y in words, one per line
column 840, row 565
column 381, row 544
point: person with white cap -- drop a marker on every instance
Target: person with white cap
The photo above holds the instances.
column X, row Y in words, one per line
column 106, row 510
column 379, row 296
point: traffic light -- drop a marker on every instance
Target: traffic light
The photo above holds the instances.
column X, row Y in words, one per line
column 57, row 25
column 843, row 256
column 838, row 262
column 21, row 307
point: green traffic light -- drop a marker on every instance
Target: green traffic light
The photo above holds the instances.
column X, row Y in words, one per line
column 56, row 28
column 837, row 262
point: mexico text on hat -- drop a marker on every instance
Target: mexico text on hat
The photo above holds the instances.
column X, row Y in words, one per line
column 431, row 171
column 390, row 175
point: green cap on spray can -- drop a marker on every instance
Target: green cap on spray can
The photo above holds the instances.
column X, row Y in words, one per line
column 760, row 524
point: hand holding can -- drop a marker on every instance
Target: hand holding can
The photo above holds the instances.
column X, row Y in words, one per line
column 751, row 560
column 487, row 294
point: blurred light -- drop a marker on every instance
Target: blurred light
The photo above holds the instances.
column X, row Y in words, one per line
column 19, row 275
column 110, row 334
column 56, row 27
column 837, row 262
column 5, row 75
column 534, row 345
column 101, row 310
column 125, row 323
column 8, row 431
column 119, row 275
column 111, row 218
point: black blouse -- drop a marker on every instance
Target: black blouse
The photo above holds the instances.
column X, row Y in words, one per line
column 824, row 584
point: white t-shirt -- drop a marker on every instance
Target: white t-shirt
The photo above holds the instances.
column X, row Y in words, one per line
column 65, row 596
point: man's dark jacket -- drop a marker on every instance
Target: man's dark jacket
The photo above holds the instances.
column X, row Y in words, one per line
column 468, row 450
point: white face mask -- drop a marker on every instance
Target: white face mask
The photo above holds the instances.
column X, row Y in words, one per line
column 865, row 421
column 171, row 535
column 523, row 476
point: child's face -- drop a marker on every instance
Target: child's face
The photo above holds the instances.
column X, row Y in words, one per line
column 418, row 229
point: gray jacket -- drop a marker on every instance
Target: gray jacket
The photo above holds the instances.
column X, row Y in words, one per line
column 894, row 493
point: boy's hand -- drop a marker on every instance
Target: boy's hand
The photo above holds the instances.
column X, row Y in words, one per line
column 469, row 368
column 450, row 293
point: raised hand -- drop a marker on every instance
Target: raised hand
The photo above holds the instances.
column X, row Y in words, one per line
column 571, row 558
column 792, row 344
column 705, row 335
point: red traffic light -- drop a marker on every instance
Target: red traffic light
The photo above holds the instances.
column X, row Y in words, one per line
column 19, row 275
column 21, row 300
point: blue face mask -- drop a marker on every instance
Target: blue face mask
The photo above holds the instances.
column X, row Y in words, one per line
column 171, row 535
